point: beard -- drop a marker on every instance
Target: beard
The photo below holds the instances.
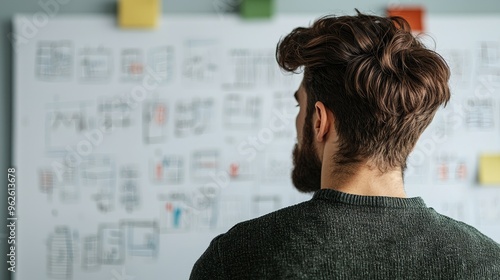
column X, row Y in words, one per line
column 306, row 173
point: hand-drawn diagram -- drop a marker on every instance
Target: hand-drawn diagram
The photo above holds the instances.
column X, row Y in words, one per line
column 60, row 180
column 54, row 60
column 487, row 210
column 115, row 241
column 194, row 117
column 68, row 186
column 142, row 238
column 185, row 211
column 447, row 122
column 95, row 65
column 132, row 64
column 60, row 254
column 114, row 113
column 161, row 61
column 175, row 215
column 460, row 65
column 154, row 121
column 284, row 104
column 240, row 170
column 489, row 61
column 130, row 198
column 242, row 112
column 489, row 53
column 204, row 163
column 66, row 123
column 205, row 205
column 277, row 167
column 46, row 180
column 250, row 68
column 99, row 172
column 167, row 169
column 417, row 172
column 480, row 114
column 111, row 244
column 200, row 64
column 90, row 253
column 451, row 168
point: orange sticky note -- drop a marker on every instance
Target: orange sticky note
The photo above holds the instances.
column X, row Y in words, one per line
column 414, row 15
column 138, row 13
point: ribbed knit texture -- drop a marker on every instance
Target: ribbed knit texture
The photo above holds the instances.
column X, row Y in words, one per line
column 343, row 236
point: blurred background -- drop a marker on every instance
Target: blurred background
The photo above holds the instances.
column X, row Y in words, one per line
column 133, row 148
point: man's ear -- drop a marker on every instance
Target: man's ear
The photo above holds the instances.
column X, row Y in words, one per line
column 322, row 121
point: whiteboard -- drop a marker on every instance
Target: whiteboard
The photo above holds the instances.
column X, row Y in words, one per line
column 135, row 148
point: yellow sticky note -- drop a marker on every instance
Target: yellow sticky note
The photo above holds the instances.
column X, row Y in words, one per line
column 489, row 169
column 138, row 13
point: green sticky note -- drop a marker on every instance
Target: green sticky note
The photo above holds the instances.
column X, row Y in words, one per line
column 489, row 169
column 256, row 8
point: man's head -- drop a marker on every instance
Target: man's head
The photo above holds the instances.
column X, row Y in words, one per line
column 373, row 82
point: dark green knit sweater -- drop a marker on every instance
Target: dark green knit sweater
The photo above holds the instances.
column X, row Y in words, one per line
column 342, row 236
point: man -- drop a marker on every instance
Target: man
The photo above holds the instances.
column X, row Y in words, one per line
column 369, row 90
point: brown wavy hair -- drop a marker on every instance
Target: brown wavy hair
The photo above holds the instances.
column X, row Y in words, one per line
column 381, row 83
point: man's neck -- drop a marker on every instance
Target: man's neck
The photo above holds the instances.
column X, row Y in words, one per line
column 365, row 180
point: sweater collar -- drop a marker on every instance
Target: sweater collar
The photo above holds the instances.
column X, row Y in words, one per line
column 374, row 201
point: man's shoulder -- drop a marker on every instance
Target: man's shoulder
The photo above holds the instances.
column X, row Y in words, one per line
column 284, row 236
column 270, row 226
column 465, row 238
column 276, row 218
column 456, row 237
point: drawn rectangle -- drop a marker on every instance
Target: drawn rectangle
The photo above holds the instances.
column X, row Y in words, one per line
column 68, row 186
column 60, row 254
column 168, row 169
column 90, row 256
column 250, row 68
column 54, row 60
column 142, row 238
column 155, row 118
column 114, row 114
column 111, row 244
column 194, row 117
column 161, row 61
column 95, row 65
column 200, row 64
column 132, row 64
column 480, row 114
column 242, row 112
column 175, row 216
column 204, row 164
column 66, row 123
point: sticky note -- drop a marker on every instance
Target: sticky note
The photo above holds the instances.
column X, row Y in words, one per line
column 489, row 169
column 256, row 8
column 138, row 13
column 414, row 15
